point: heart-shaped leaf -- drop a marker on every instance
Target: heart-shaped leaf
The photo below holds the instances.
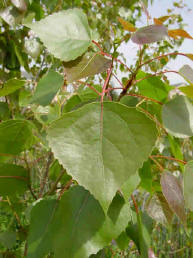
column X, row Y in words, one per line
column 102, row 150
column 66, row 34
column 149, row 34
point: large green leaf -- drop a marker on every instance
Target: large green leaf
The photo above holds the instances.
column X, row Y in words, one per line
column 16, row 136
column 149, row 34
column 13, row 179
column 172, row 191
column 66, row 34
column 76, row 226
column 188, row 185
column 102, row 150
column 47, row 88
column 87, row 65
column 8, row 239
column 10, row 86
column 177, row 117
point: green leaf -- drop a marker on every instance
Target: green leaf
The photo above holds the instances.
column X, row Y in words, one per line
column 85, row 66
column 32, row 47
column 11, row 86
column 8, row 239
column 175, row 149
column 149, row 34
column 75, row 226
column 187, row 181
column 113, row 147
column 187, row 73
column 47, row 88
column 13, row 179
column 66, row 34
column 4, row 111
column 172, row 191
column 72, row 103
column 139, row 230
column 130, row 185
column 177, row 118
column 159, row 210
column 188, row 90
column 146, row 176
column 16, row 136
column 152, row 87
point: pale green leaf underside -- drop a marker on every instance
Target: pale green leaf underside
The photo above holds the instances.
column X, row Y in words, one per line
column 177, row 117
column 66, row 34
column 102, row 155
column 10, row 86
column 87, row 65
column 188, row 185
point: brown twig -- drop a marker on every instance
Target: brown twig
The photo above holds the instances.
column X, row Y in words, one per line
column 43, row 183
column 169, row 158
column 135, row 204
column 144, row 97
column 157, row 163
column 66, row 187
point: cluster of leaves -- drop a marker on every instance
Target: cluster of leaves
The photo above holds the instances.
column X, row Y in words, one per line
column 79, row 155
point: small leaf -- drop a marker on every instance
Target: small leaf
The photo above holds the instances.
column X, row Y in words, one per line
column 47, row 88
column 188, row 185
column 179, row 33
column 16, row 136
column 172, row 191
column 10, row 86
column 87, row 65
column 146, row 176
column 66, row 34
column 11, row 15
column 159, row 210
column 13, row 179
column 149, row 34
column 164, row 18
column 20, row 5
column 96, row 146
column 176, row 117
column 187, row 72
column 127, row 25
column 32, row 47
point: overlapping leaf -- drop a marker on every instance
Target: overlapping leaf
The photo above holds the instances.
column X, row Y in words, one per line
column 76, row 226
column 87, row 65
column 177, row 117
column 47, row 88
column 172, row 191
column 16, row 136
column 10, row 86
column 101, row 153
column 66, row 34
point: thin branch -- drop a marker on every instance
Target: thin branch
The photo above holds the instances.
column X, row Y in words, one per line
column 154, row 119
column 135, row 204
column 144, row 97
column 54, row 186
column 66, row 187
column 157, row 163
column 108, row 55
column 160, row 57
column 155, row 74
column 169, row 158
column 43, row 183
column 16, row 177
column 90, row 86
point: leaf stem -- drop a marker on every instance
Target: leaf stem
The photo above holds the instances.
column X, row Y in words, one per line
column 169, row 158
